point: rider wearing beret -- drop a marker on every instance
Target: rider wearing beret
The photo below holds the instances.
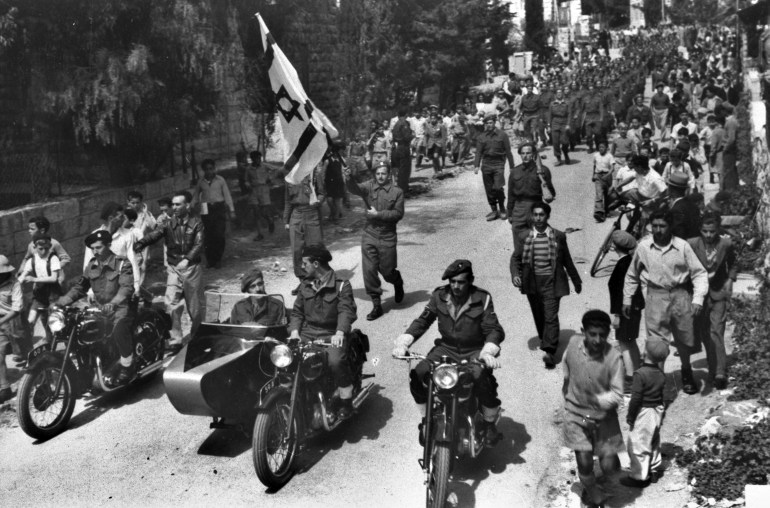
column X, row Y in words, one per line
column 469, row 330
column 325, row 308
column 112, row 282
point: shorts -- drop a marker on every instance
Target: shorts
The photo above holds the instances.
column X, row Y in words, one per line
column 44, row 294
column 602, row 437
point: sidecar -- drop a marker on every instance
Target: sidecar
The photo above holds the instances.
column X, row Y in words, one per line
column 220, row 372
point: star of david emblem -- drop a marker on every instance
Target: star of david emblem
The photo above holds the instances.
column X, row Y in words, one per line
column 288, row 107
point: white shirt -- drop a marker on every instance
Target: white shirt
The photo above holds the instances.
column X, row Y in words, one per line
column 651, row 185
column 692, row 128
column 624, row 173
column 41, row 265
column 684, row 168
column 604, row 163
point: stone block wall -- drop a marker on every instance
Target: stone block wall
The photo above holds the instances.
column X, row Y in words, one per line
column 75, row 217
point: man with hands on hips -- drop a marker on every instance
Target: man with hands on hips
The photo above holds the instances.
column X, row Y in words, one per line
column 469, row 329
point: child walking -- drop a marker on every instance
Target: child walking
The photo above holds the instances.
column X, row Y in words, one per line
column 645, row 415
column 593, row 391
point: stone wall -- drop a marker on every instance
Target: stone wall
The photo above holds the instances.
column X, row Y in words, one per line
column 75, row 217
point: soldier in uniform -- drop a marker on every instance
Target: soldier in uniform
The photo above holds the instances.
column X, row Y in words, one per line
column 594, row 117
column 401, row 157
column 547, row 95
column 112, row 282
column 529, row 108
column 560, row 114
column 385, row 207
column 493, row 148
column 302, row 217
column 575, row 100
column 325, row 308
column 469, row 330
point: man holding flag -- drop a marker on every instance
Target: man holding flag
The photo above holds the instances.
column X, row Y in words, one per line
column 308, row 133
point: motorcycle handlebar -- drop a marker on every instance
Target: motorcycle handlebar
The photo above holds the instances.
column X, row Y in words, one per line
column 416, row 356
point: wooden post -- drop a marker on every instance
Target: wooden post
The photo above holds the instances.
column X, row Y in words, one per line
column 193, row 167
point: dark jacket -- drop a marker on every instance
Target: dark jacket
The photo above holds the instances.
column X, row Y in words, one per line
column 112, row 281
column 727, row 268
column 475, row 324
column 616, row 288
column 327, row 310
column 646, row 390
column 183, row 241
column 685, row 218
column 265, row 310
column 562, row 266
column 387, row 199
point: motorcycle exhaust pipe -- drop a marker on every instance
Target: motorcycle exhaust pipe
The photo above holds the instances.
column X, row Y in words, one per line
column 362, row 395
column 328, row 427
column 150, row 369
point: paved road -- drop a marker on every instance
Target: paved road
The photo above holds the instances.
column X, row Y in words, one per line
column 131, row 449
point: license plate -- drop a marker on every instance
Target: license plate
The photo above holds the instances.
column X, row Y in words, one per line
column 266, row 389
column 35, row 353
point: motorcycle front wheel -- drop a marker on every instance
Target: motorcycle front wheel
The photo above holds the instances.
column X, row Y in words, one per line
column 41, row 415
column 438, row 477
column 273, row 450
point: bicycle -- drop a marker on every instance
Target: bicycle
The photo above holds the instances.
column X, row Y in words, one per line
column 635, row 226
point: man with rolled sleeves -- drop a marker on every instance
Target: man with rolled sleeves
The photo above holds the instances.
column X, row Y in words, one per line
column 674, row 284
column 215, row 200
column 559, row 115
column 183, row 236
column 493, row 148
column 525, row 187
column 325, row 308
column 469, row 330
column 302, row 217
column 112, row 281
column 385, row 207
column 659, row 105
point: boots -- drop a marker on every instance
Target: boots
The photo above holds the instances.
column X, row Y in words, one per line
column 502, row 214
column 376, row 311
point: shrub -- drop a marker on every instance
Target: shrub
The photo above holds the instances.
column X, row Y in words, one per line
column 751, row 354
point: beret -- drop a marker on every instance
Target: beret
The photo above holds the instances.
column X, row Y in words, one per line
column 624, row 240
column 249, row 278
column 318, row 252
column 457, row 267
column 656, row 351
column 102, row 235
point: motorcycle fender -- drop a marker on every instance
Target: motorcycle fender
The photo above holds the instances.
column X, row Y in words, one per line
column 269, row 393
column 442, row 430
column 40, row 357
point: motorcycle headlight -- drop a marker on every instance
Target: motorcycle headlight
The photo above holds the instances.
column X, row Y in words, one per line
column 445, row 376
column 281, row 356
column 56, row 321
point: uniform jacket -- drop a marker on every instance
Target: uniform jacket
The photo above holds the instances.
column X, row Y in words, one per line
column 265, row 310
column 435, row 135
column 387, row 199
column 525, row 184
column 329, row 309
column 727, row 268
column 495, row 144
column 297, row 197
column 183, row 241
column 112, row 281
column 474, row 324
column 562, row 266
column 530, row 104
column 559, row 114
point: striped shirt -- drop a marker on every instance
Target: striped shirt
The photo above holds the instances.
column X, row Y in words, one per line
column 541, row 254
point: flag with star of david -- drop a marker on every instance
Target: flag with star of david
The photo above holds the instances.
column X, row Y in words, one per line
column 306, row 129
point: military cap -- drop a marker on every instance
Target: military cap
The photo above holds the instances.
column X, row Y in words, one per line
column 656, row 351
column 249, row 278
column 102, row 235
column 382, row 164
column 318, row 252
column 624, row 240
column 457, row 267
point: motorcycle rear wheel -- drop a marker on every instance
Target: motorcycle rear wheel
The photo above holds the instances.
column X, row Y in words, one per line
column 273, row 451
column 438, row 477
column 40, row 417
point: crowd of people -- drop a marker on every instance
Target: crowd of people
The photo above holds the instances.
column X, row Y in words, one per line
column 657, row 158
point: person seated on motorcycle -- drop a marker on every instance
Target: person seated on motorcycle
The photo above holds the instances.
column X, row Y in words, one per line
column 112, row 282
column 325, row 307
column 259, row 310
column 469, row 330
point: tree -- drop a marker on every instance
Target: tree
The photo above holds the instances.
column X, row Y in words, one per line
column 535, row 36
column 125, row 76
column 652, row 12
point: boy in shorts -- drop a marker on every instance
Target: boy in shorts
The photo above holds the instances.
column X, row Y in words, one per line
column 593, row 390
column 42, row 270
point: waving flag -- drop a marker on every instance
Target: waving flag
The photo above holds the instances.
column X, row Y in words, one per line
column 306, row 129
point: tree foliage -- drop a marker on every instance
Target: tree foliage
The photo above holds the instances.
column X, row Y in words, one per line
column 127, row 74
column 687, row 12
column 535, row 35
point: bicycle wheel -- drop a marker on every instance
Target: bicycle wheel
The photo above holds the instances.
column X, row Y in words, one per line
column 603, row 250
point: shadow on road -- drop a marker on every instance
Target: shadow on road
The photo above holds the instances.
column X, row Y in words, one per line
column 468, row 473
column 564, row 337
column 225, row 443
column 148, row 388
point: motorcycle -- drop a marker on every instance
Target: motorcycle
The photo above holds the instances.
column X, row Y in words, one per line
column 452, row 423
column 75, row 361
column 299, row 401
